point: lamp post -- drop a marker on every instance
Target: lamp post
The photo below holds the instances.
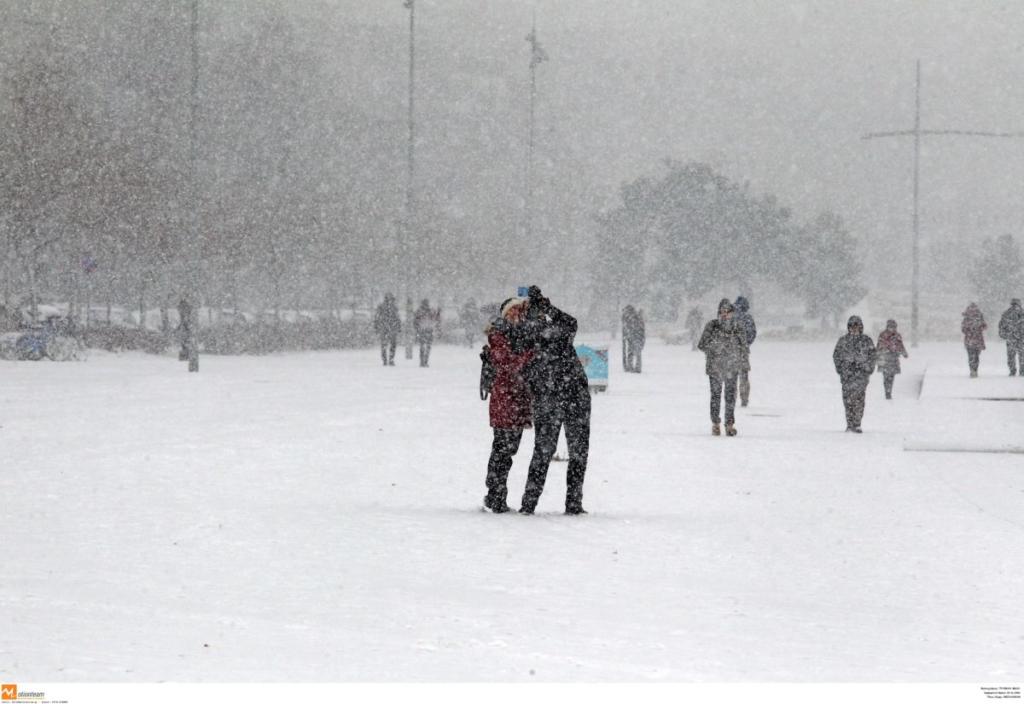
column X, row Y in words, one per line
column 917, row 133
column 403, row 265
column 537, row 56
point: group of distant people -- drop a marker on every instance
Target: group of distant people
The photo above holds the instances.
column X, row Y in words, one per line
column 388, row 324
column 1011, row 329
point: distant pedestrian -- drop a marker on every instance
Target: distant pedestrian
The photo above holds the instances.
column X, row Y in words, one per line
column 854, row 357
column 890, row 348
column 425, row 323
column 387, row 325
column 725, row 348
column 634, row 336
column 561, row 398
column 510, row 401
column 1011, row 329
column 694, row 323
column 746, row 323
column 188, row 329
column 469, row 317
column 973, row 327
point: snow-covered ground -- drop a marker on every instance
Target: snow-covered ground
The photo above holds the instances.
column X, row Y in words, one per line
column 315, row 517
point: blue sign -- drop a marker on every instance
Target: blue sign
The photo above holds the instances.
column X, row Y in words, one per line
column 595, row 364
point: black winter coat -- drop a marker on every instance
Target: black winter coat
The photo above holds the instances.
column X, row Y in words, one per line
column 1011, row 325
column 855, row 358
column 725, row 348
column 555, row 371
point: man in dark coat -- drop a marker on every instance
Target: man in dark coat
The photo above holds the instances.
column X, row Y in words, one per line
column 1011, row 329
column 745, row 321
column 188, row 328
column 854, row 358
column 510, row 398
column 561, row 397
column 424, row 323
column 387, row 325
column 725, row 348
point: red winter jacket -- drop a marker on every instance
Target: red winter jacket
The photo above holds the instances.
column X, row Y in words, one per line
column 972, row 327
column 511, row 401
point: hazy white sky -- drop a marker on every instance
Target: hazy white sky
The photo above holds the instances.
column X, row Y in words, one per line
column 777, row 93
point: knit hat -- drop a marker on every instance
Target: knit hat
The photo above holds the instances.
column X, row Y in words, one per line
column 890, row 323
column 725, row 306
column 855, row 321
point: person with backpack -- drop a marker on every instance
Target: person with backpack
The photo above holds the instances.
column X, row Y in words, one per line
column 387, row 325
column 854, row 358
column 973, row 327
column 561, row 397
column 890, row 348
column 510, row 400
column 1011, row 329
column 424, row 323
column 745, row 321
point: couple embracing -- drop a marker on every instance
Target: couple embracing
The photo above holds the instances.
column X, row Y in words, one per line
column 540, row 382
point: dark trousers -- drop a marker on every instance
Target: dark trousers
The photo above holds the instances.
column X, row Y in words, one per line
column 887, row 380
column 633, row 357
column 388, row 345
column 1015, row 357
column 503, row 449
column 973, row 357
column 744, row 384
column 426, row 339
column 549, row 417
column 854, row 395
column 717, row 383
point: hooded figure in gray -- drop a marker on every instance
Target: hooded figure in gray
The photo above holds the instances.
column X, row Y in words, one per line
column 724, row 344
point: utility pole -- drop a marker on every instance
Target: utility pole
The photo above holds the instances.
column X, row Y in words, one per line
column 916, row 133
column 537, row 56
column 404, row 265
column 193, row 244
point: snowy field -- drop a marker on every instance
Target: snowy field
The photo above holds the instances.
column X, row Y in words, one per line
column 315, row 517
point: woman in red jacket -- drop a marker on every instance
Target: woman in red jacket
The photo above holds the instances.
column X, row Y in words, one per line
column 973, row 328
column 890, row 348
column 510, row 405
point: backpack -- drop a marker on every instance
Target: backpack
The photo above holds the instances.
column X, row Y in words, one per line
column 487, row 372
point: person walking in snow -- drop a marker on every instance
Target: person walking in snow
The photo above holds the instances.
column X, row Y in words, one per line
column 424, row 323
column 510, row 400
column 634, row 335
column 973, row 327
column 890, row 348
column 561, row 398
column 694, row 323
column 387, row 325
column 854, row 357
column 469, row 316
column 724, row 344
column 1011, row 329
column 188, row 328
column 746, row 323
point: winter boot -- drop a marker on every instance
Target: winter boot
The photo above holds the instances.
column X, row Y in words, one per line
column 574, row 510
column 526, row 510
column 730, row 430
column 716, row 429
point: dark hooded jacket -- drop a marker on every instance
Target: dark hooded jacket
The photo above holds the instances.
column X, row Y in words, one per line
column 854, row 356
column 386, row 322
column 724, row 344
column 745, row 321
column 1011, row 325
column 555, row 373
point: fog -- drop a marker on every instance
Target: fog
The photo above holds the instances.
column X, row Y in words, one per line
column 683, row 151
